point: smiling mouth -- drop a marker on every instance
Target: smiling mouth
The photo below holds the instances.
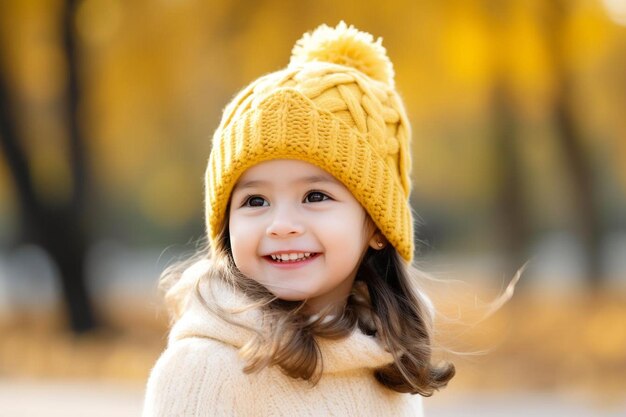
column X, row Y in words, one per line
column 291, row 258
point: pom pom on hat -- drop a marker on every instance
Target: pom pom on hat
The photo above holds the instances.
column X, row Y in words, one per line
column 345, row 45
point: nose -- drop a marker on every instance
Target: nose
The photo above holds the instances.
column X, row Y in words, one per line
column 285, row 222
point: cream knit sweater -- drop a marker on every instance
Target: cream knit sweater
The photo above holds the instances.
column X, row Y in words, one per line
column 200, row 374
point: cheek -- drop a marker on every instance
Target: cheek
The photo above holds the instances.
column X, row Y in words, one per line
column 242, row 243
column 346, row 232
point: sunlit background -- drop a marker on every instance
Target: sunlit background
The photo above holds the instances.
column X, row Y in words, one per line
column 518, row 108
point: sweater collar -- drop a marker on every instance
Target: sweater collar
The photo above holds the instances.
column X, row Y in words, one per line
column 356, row 351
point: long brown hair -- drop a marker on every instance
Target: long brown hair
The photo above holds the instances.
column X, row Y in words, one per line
column 384, row 302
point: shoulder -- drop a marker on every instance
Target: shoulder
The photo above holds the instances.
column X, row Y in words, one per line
column 197, row 377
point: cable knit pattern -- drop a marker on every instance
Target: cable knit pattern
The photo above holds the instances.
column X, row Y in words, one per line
column 328, row 114
column 200, row 373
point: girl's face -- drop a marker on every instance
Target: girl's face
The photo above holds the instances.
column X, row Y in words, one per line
column 298, row 231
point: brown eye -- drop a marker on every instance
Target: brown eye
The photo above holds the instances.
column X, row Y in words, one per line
column 316, row 197
column 255, row 201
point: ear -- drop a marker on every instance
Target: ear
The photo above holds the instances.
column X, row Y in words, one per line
column 378, row 241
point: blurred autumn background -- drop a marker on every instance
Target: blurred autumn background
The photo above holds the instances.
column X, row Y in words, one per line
column 519, row 146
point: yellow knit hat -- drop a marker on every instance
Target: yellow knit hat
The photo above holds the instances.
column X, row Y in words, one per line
column 334, row 106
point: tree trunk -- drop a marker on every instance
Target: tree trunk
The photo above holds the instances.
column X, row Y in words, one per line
column 514, row 226
column 513, row 219
column 60, row 230
column 569, row 138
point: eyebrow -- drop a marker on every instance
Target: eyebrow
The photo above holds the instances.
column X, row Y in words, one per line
column 313, row 179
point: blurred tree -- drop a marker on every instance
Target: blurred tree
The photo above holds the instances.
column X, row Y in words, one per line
column 61, row 229
column 514, row 228
column 570, row 139
column 510, row 200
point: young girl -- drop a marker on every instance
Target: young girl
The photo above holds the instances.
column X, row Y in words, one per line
column 305, row 301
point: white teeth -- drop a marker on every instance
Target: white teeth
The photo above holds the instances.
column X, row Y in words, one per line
column 290, row 256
